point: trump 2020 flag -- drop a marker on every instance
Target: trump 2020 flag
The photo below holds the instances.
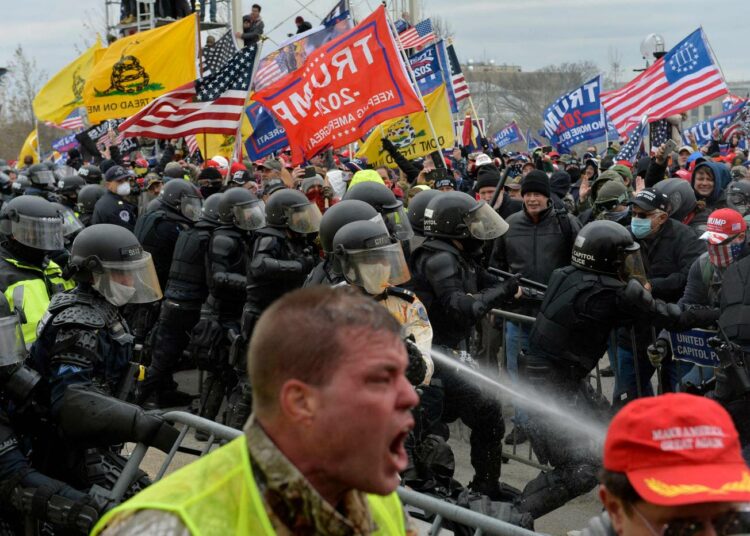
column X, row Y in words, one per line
column 575, row 116
column 344, row 88
column 510, row 133
column 685, row 78
column 703, row 129
column 426, row 67
column 267, row 135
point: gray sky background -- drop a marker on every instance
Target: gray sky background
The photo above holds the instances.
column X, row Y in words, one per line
column 529, row 33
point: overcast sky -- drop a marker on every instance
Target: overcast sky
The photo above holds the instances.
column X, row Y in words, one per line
column 529, row 33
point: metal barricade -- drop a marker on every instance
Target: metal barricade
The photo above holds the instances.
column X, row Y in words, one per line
column 219, row 434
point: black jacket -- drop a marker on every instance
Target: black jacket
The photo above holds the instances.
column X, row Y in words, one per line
column 534, row 250
column 111, row 208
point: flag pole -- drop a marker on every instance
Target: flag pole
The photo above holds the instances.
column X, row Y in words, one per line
column 38, row 141
column 473, row 109
column 394, row 35
column 238, row 133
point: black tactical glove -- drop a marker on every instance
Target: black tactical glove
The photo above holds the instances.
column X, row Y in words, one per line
column 493, row 296
column 154, row 431
column 636, row 294
column 416, row 368
column 699, row 317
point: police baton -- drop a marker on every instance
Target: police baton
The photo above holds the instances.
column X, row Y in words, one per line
column 500, row 186
column 527, row 282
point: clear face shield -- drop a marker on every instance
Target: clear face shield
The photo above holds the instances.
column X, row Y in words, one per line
column 71, row 223
column 484, row 223
column 38, row 233
column 304, row 219
column 190, row 207
column 376, row 269
column 132, row 281
column 12, row 350
column 398, row 223
column 44, row 178
column 632, row 265
column 250, row 216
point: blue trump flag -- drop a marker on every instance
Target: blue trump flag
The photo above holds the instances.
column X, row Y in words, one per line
column 531, row 142
column 427, row 69
column 703, row 129
column 575, row 116
column 510, row 133
column 268, row 136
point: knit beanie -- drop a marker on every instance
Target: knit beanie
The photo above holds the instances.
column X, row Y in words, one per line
column 535, row 181
column 487, row 176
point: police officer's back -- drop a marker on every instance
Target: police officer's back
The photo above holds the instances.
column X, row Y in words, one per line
column 112, row 206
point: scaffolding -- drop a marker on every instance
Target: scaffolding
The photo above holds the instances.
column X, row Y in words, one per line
column 146, row 19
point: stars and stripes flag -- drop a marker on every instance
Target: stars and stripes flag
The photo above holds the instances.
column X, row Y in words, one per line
column 686, row 77
column 741, row 123
column 730, row 101
column 417, row 36
column 216, row 56
column 74, row 121
column 460, row 87
column 630, row 150
column 659, row 132
column 192, row 143
column 212, row 104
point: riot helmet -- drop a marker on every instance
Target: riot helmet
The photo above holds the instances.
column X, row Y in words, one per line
column 382, row 199
column 33, row 222
column 88, row 196
column 370, row 258
column 114, row 262
column 41, row 176
column 681, row 196
column 416, row 209
column 210, row 210
column 71, row 224
column 291, row 209
column 606, row 247
column 340, row 214
column 90, row 173
column 183, row 198
column 738, row 197
column 173, row 170
column 21, row 183
column 69, row 187
column 459, row 216
column 241, row 208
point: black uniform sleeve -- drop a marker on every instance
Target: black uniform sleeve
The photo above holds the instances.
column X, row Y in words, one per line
column 442, row 272
column 410, row 169
column 265, row 262
column 655, row 173
column 221, row 250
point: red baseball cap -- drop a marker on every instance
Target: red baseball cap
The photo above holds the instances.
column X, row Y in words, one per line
column 723, row 224
column 678, row 449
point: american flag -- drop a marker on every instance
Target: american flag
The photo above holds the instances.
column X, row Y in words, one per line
column 460, row 87
column 730, row 101
column 216, row 56
column 417, row 36
column 740, row 124
column 74, row 121
column 683, row 79
column 192, row 143
column 659, row 133
column 270, row 70
column 212, row 104
column 630, row 150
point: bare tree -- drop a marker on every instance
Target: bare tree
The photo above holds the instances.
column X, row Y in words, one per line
column 614, row 57
column 442, row 28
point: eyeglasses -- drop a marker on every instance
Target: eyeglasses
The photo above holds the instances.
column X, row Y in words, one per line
column 643, row 215
column 727, row 524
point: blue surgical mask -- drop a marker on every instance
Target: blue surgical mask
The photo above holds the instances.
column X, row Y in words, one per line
column 641, row 227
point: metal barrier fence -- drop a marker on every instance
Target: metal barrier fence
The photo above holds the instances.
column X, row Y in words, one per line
column 218, row 434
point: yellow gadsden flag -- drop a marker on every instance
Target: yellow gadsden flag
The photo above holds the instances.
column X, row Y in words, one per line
column 64, row 91
column 30, row 148
column 136, row 69
column 222, row 144
column 411, row 134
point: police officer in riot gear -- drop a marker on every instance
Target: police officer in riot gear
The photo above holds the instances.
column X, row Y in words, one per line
column 328, row 270
column 601, row 290
column 25, row 492
column 457, row 290
column 83, row 354
column 31, row 230
column 87, row 198
column 68, row 188
column 415, row 214
column 184, row 294
column 90, row 173
column 282, row 256
column 382, row 199
column 42, row 181
column 738, row 197
column 217, row 333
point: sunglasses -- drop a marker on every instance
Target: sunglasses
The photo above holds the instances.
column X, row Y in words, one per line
column 726, row 524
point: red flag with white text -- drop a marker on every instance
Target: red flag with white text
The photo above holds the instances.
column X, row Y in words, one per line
column 344, row 89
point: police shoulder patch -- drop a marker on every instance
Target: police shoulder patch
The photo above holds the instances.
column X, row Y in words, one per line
column 124, row 215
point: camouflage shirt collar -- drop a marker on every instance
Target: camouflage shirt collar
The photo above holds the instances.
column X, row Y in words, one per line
column 291, row 499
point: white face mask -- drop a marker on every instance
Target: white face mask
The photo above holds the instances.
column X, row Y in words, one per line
column 123, row 189
column 375, row 277
column 119, row 294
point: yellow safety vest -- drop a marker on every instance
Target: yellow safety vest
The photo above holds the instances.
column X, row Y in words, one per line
column 36, row 296
column 217, row 496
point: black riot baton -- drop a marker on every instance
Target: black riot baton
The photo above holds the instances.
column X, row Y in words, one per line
column 527, row 282
column 500, row 186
